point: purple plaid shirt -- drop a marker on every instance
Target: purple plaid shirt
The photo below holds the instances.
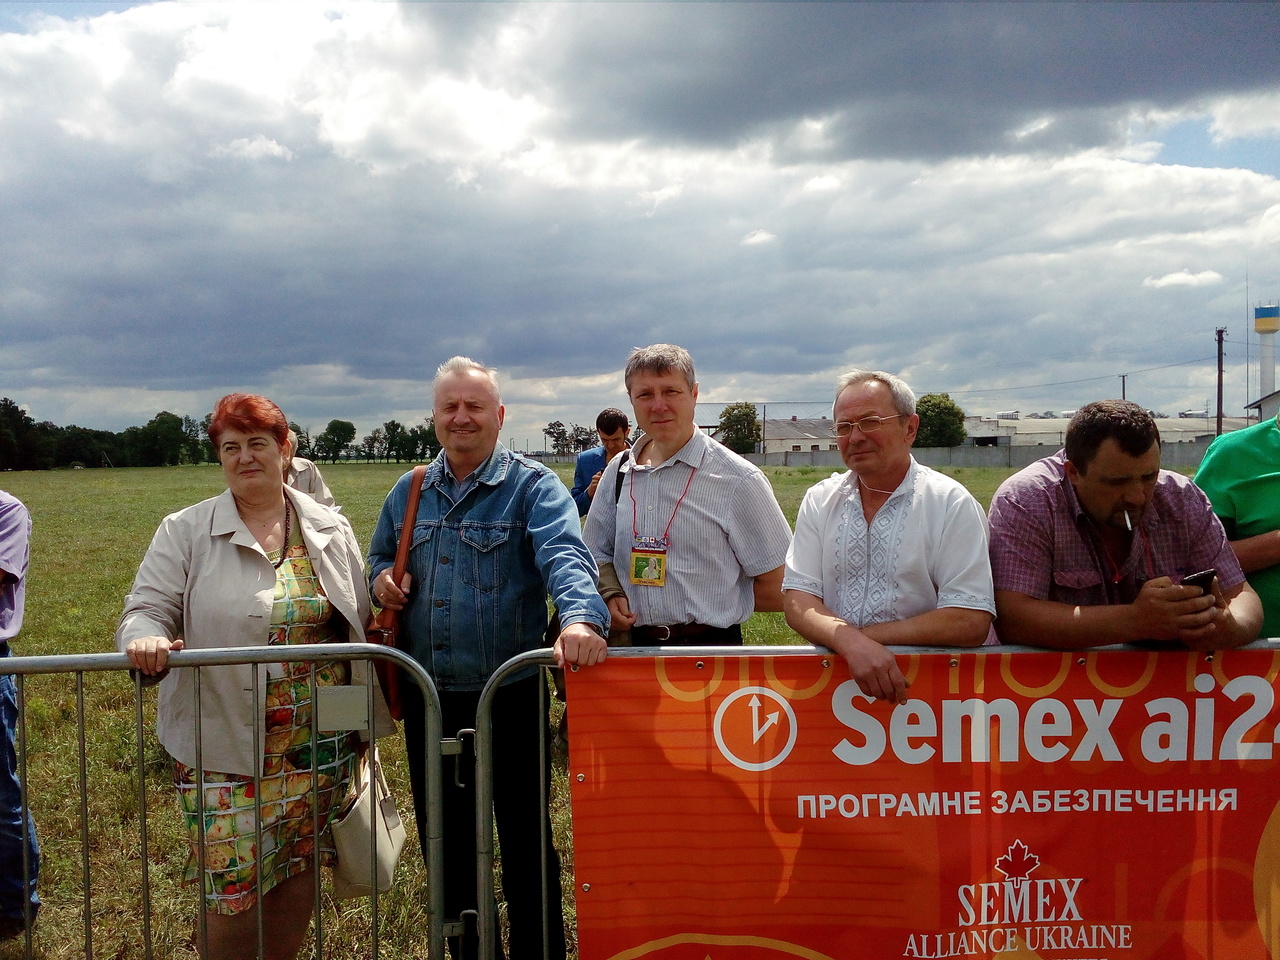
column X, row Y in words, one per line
column 1043, row 544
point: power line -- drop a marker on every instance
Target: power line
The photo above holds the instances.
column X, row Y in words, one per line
column 1030, row 386
column 1063, row 383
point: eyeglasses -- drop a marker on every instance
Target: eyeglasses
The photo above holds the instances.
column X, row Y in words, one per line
column 866, row 424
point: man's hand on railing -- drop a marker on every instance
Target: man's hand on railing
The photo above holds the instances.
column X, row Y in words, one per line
column 579, row 644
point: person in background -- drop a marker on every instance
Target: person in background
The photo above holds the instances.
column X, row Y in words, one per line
column 494, row 534
column 1090, row 546
column 695, row 542
column 890, row 553
column 1240, row 473
column 614, row 430
column 259, row 565
column 17, row 828
column 302, row 474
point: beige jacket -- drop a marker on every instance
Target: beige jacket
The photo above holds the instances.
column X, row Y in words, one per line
column 305, row 476
column 205, row 579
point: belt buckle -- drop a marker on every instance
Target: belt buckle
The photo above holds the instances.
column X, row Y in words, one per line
column 666, row 628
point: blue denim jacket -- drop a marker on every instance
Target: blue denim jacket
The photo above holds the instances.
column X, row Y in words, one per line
column 482, row 567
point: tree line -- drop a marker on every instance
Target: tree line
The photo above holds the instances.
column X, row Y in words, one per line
column 168, row 439
column 941, row 425
column 391, row 441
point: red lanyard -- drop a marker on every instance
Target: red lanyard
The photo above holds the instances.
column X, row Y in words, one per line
column 662, row 542
column 1116, row 575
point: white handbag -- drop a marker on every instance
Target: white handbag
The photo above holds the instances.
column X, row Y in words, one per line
column 369, row 828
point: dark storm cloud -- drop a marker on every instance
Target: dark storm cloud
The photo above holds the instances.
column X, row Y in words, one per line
column 324, row 205
column 900, row 80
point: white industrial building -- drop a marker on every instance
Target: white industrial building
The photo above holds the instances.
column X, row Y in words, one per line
column 798, row 434
column 1052, row 432
column 992, row 442
column 812, row 435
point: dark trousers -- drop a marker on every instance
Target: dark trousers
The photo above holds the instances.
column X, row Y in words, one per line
column 14, row 821
column 524, row 827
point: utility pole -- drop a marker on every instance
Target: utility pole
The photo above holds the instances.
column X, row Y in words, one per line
column 1123, row 378
column 1222, row 331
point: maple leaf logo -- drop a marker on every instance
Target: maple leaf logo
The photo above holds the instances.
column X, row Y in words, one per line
column 1018, row 863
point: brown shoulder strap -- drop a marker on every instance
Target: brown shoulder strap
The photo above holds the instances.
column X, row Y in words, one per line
column 406, row 529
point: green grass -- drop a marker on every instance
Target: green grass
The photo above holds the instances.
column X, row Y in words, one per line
column 91, row 528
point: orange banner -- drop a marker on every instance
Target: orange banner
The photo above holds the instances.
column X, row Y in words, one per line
column 1084, row 806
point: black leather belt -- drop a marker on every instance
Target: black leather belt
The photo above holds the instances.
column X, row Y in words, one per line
column 687, row 635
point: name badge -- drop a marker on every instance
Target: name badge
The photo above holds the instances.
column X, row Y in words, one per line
column 649, row 568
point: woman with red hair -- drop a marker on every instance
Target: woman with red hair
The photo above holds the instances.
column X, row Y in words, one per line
column 260, row 564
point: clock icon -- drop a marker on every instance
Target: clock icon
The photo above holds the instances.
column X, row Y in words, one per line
column 755, row 728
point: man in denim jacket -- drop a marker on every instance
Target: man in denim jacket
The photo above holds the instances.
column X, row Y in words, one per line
column 495, row 533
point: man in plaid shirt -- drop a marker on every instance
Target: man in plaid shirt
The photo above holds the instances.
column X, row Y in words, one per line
column 1090, row 546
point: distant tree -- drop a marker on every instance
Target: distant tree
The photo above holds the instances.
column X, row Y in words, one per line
column 88, row 448
column 304, row 440
column 160, row 443
column 405, row 446
column 427, row 445
column 584, row 438
column 740, row 427
column 210, row 454
column 76, row 447
column 333, row 441
column 373, row 445
column 14, row 422
column 941, row 421
column 42, row 445
column 193, row 445
column 393, row 430
column 558, row 434
column 170, row 433
column 133, row 444
column 17, row 438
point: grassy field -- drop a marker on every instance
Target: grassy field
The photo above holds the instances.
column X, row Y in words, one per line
column 91, row 528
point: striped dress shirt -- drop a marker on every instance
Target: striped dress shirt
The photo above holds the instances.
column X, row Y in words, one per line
column 725, row 529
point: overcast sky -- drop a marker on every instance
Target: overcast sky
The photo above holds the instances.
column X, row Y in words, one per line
column 1014, row 203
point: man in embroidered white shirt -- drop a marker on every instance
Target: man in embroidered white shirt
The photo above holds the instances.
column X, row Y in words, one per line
column 890, row 553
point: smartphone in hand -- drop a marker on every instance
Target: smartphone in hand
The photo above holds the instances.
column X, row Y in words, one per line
column 1203, row 579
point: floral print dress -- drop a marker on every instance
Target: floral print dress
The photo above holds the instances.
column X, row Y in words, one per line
column 300, row 614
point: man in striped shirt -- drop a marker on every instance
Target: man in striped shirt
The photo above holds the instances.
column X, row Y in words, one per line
column 695, row 540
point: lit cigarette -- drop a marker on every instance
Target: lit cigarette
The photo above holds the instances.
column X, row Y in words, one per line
column 1127, row 524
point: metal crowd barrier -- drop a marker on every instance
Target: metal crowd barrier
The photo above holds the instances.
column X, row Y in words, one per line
column 486, row 920
column 485, row 826
column 351, row 715
column 485, row 851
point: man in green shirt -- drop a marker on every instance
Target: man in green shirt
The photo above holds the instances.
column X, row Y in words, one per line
column 1241, row 475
